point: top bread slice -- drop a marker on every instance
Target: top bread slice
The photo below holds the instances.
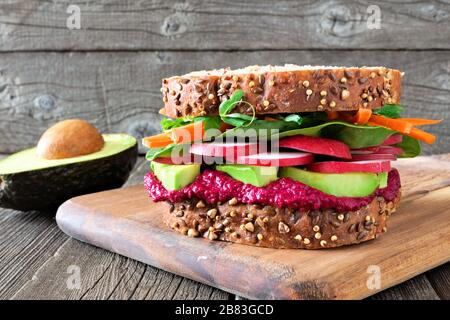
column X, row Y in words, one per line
column 282, row 89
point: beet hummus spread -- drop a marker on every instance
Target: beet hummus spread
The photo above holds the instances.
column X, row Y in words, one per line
column 215, row 186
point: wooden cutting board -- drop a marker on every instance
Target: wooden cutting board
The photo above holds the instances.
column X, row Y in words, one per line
column 125, row 221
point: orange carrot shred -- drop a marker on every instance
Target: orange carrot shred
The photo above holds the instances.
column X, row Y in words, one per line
column 421, row 122
column 422, row 135
column 157, row 141
column 394, row 124
column 362, row 116
column 188, row 133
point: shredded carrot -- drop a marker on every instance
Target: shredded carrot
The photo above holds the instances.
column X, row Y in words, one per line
column 331, row 115
column 188, row 133
column 157, row 141
column 394, row 124
column 362, row 116
column 421, row 122
column 422, row 135
column 413, row 133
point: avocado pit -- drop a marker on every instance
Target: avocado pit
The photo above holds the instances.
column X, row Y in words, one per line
column 68, row 139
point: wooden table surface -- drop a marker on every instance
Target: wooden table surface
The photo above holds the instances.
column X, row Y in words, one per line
column 36, row 259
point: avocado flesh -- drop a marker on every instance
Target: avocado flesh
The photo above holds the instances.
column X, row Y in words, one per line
column 175, row 176
column 258, row 176
column 352, row 184
column 27, row 160
column 26, row 183
column 383, row 176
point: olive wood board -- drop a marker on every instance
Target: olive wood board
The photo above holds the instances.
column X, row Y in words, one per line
column 125, row 221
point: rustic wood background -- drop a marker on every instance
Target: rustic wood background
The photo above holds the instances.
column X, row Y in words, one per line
column 109, row 73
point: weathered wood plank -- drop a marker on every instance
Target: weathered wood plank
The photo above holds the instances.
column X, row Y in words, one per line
column 418, row 288
column 27, row 240
column 440, row 280
column 236, row 25
column 120, row 91
column 103, row 275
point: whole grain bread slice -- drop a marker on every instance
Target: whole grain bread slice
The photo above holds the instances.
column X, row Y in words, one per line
column 282, row 89
column 272, row 227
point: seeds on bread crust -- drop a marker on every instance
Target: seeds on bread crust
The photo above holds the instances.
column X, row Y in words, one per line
column 274, row 227
column 286, row 89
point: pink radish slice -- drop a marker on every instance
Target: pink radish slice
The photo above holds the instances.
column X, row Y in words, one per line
column 281, row 159
column 390, row 150
column 394, row 139
column 189, row 159
column 374, row 156
column 317, row 145
column 367, row 150
column 229, row 150
column 356, row 166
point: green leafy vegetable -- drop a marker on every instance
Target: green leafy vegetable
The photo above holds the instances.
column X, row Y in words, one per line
column 168, row 123
column 228, row 105
column 294, row 118
column 410, row 146
column 353, row 135
column 243, row 122
column 209, row 122
column 389, row 111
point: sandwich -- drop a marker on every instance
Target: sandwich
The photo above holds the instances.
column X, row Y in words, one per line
column 282, row 156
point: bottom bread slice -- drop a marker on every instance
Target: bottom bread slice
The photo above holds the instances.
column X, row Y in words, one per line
column 268, row 226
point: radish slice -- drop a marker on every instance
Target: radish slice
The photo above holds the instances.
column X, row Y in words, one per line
column 394, row 139
column 390, row 150
column 186, row 159
column 367, row 150
column 374, row 156
column 229, row 150
column 317, row 145
column 356, row 166
column 281, row 159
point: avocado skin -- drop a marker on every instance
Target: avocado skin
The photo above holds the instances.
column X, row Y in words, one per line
column 47, row 189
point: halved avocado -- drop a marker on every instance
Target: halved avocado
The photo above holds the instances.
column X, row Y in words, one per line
column 28, row 182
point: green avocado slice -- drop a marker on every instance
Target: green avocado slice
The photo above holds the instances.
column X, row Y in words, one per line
column 27, row 160
column 352, row 184
column 30, row 183
column 258, row 176
column 383, row 176
column 175, row 176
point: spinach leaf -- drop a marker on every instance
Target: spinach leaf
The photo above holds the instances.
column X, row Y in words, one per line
column 226, row 106
column 237, row 119
column 410, row 146
column 352, row 135
column 209, row 122
column 168, row 123
column 261, row 127
column 294, row 118
column 389, row 111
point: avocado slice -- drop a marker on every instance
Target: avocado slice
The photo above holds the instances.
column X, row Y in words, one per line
column 258, row 176
column 352, row 184
column 28, row 182
column 383, row 176
column 175, row 176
